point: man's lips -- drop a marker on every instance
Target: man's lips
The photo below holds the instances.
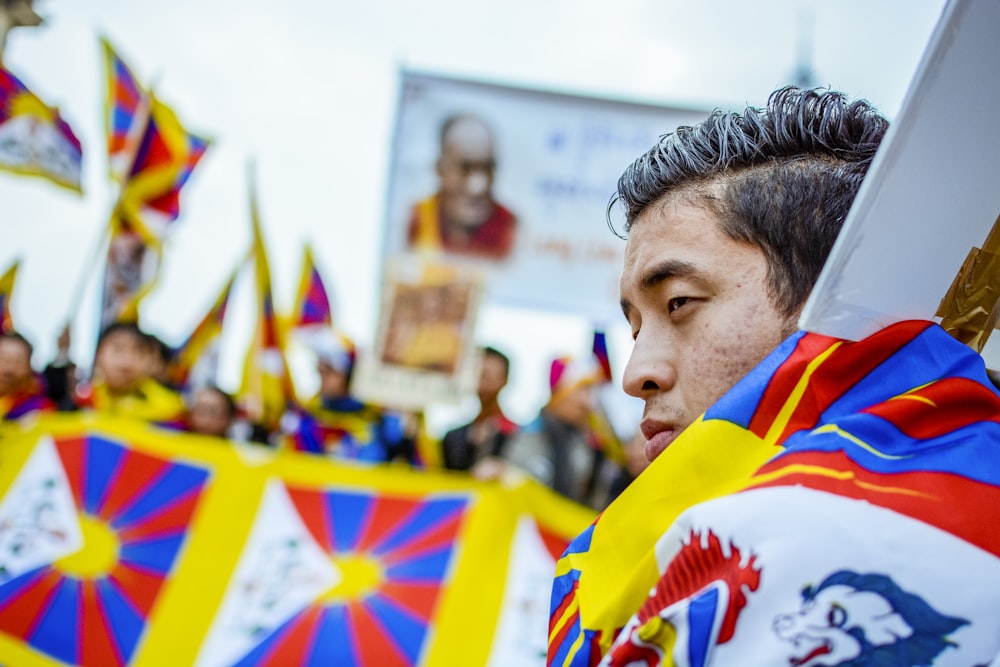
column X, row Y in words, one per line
column 658, row 436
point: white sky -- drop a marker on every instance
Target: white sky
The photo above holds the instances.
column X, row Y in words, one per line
column 307, row 88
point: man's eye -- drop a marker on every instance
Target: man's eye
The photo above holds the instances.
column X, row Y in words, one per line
column 676, row 302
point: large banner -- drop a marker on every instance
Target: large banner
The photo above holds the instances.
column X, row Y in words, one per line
column 517, row 181
column 124, row 545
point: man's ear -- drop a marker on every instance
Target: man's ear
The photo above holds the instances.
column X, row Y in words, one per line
column 439, row 166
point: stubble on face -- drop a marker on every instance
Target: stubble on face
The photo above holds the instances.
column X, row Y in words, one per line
column 701, row 313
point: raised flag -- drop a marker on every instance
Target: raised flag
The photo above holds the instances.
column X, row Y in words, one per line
column 164, row 158
column 6, row 290
column 312, row 305
column 196, row 361
column 152, row 156
column 266, row 390
column 126, row 108
column 34, row 138
column 600, row 348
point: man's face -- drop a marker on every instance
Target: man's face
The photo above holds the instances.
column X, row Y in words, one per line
column 15, row 365
column 121, row 361
column 332, row 382
column 465, row 170
column 700, row 314
column 575, row 406
column 492, row 378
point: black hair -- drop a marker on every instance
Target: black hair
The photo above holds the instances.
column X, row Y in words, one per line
column 782, row 178
column 15, row 336
column 493, row 352
column 130, row 328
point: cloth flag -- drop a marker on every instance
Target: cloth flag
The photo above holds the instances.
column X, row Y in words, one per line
column 126, row 103
column 34, row 138
column 266, row 391
column 891, row 434
column 312, row 305
column 602, row 430
column 152, row 156
column 162, row 163
column 6, row 290
column 122, row 545
column 600, row 348
column 196, row 361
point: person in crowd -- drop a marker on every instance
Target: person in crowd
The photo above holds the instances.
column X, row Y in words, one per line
column 61, row 374
column 463, row 217
column 809, row 500
column 22, row 391
column 158, row 358
column 120, row 384
column 212, row 412
column 487, row 434
column 558, row 448
column 337, row 424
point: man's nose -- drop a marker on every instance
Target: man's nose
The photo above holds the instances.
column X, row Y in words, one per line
column 649, row 370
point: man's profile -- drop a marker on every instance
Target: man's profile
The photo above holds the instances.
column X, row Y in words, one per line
column 462, row 217
column 809, row 499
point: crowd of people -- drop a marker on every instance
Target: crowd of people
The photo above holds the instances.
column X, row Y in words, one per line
column 563, row 448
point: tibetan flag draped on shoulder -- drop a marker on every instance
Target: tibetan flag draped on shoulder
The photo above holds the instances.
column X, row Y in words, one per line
column 34, row 138
column 196, row 361
column 6, row 290
column 793, row 494
column 266, row 392
column 312, row 305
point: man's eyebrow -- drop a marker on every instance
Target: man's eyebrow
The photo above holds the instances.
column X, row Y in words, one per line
column 658, row 273
column 665, row 270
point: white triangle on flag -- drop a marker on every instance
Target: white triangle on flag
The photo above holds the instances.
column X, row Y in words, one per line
column 281, row 571
column 39, row 522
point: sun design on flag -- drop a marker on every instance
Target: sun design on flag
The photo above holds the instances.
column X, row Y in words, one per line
column 392, row 556
column 90, row 607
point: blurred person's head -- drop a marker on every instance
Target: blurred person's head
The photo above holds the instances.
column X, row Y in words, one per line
column 212, row 412
column 158, row 358
column 15, row 362
column 572, row 384
column 335, row 357
column 121, row 361
column 465, row 169
column 493, row 375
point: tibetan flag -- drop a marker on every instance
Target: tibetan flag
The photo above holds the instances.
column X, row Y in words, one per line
column 794, row 495
column 148, row 203
column 600, row 348
column 126, row 110
column 131, row 545
column 312, row 306
column 164, row 159
column 196, row 360
column 6, row 290
column 34, row 139
column 266, row 390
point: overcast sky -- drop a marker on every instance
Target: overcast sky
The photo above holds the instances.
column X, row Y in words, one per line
column 307, row 90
